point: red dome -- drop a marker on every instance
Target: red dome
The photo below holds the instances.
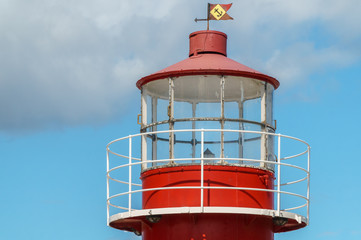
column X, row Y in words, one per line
column 208, row 56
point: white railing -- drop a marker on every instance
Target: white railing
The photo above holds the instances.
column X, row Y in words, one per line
column 126, row 166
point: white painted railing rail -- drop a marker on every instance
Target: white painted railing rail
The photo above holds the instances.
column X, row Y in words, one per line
column 125, row 165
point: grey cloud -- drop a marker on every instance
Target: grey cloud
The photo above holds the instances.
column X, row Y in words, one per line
column 66, row 64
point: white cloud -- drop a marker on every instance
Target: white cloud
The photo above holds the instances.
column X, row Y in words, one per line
column 71, row 62
column 292, row 40
column 297, row 61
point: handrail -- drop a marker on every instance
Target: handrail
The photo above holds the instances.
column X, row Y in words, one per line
column 293, row 182
column 203, row 130
column 204, row 187
column 123, row 156
column 294, row 156
column 207, row 159
column 132, row 161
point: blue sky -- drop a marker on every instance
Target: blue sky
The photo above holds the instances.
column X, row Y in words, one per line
column 67, row 87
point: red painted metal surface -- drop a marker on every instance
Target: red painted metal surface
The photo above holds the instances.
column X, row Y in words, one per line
column 214, row 175
column 207, row 42
column 214, row 226
column 210, row 227
column 208, row 57
column 217, row 225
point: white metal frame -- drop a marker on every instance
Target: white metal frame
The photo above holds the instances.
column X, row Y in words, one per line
column 126, row 210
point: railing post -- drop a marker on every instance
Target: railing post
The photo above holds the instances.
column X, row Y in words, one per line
column 222, row 119
column 279, row 176
column 130, row 176
column 107, row 187
column 308, row 183
column 202, row 169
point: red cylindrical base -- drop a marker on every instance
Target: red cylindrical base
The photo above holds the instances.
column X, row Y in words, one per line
column 210, row 227
column 223, row 176
column 216, row 224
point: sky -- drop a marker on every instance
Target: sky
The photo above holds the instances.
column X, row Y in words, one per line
column 67, row 87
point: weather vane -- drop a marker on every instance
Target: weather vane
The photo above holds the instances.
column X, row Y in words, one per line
column 216, row 12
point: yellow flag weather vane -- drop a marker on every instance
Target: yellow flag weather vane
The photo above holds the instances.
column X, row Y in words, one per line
column 216, row 12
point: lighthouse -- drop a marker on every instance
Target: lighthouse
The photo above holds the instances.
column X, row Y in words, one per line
column 207, row 163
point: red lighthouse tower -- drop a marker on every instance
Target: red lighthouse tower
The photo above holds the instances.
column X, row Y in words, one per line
column 207, row 163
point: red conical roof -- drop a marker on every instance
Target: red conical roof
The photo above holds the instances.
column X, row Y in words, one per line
column 208, row 56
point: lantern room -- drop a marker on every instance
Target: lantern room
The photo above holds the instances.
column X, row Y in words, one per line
column 209, row 91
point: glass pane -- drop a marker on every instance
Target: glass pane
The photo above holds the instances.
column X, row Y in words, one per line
column 251, row 148
column 162, row 110
column 183, row 141
column 197, row 88
column 212, row 147
column 252, row 109
column 241, row 89
column 209, row 110
column 232, row 146
column 158, row 88
column 182, row 110
column 162, row 147
column 231, row 110
column 157, row 100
